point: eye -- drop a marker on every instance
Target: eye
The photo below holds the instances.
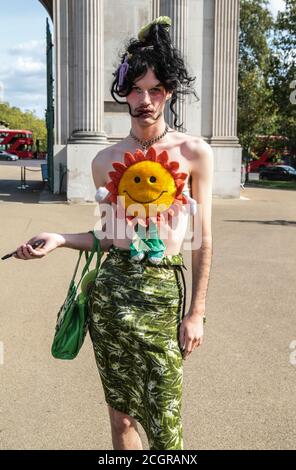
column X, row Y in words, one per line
column 152, row 179
column 137, row 179
column 155, row 90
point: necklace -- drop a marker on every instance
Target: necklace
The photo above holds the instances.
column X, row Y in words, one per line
column 147, row 143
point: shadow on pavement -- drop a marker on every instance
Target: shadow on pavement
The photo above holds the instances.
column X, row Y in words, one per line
column 35, row 193
column 291, row 223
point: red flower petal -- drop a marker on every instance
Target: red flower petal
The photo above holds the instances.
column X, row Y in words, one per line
column 181, row 176
column 174, row 165
column 112, row 187
column 179, row 182
column 114, row 176
column 118, row 166
column 179, row 189
column 151, row 154
column 163, row 157
column 113, row 198
column 129, row 159
column 139, row 155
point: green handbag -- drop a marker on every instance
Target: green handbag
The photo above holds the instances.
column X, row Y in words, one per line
column 72, row 320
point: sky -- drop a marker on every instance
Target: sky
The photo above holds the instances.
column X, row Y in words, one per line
column 276, row 5
column 23, row 53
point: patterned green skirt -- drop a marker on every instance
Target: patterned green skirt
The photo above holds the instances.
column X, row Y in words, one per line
column 135, row 314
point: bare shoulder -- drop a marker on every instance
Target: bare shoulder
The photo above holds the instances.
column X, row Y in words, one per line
column 191, row 144
column 196, row 144
column 103, row 160
column 101, row 165
column 200, row 154
column 103, row 156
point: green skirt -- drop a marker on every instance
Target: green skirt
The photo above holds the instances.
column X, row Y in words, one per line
column 135, row 314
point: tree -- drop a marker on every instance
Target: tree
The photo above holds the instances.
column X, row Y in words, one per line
column 257, row 111
column 283, row 72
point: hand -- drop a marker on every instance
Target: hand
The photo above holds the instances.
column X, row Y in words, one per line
column 191, row 333
column 52, row 241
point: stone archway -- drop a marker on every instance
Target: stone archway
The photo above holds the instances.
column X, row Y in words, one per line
column 83, row 109
column 48, row 6
column 78, row 93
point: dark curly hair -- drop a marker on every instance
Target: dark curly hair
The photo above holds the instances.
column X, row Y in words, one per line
column 156, row 52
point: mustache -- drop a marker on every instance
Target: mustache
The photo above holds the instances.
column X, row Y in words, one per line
column 141, row 111
column 138, row 112
column 144, row 110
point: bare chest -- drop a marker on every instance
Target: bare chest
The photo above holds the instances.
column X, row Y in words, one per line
column 174, row 151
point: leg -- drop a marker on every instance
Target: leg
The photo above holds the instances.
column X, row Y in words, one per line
column 124, row 430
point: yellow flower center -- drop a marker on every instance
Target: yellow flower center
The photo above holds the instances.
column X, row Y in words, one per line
column 147, row 183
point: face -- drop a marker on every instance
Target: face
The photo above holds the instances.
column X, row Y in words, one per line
column 147, row 98
column 146, row 183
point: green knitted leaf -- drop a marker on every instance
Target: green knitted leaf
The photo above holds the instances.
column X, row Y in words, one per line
column 164, row 20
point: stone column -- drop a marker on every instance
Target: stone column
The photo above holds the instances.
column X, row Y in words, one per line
column 177, row 10
column 79, row 100
column 87, row 71
column 155, row 5
column 226, row 46
column 86, row 95
column 61, row 101
column 61, row 90
column 224, row 141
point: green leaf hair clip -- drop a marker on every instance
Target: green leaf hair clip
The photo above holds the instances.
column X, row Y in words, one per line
column 144, row 31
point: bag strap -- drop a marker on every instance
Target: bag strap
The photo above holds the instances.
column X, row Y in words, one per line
column 95, row 249
column 76, row 268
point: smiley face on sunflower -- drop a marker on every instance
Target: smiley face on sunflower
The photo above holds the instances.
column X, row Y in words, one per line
column 147, row 186
column 147, row 180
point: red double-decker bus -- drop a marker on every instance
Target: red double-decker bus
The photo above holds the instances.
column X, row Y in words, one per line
column 18, row 142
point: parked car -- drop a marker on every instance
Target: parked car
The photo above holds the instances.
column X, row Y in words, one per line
column 8, row 156
column 278, row 172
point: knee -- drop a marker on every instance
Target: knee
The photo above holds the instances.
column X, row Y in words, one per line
column 120, row 422
column 121, row 425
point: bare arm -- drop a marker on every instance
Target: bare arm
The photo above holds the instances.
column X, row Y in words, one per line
column 191, row 330
column 98, row 171
column 76, row 241
column 202, row 186
column 81, row 241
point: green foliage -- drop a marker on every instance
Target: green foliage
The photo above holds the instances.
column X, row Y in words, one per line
column 14, row 118
column 267, row 49
column 256, row 107
column 283, row 71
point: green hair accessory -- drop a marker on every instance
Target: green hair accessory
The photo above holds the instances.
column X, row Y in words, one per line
column 144, row 31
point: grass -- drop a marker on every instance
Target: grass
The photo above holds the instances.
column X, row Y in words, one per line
column 272, row 184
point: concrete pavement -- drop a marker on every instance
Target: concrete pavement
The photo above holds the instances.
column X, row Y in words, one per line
column 239, row 387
